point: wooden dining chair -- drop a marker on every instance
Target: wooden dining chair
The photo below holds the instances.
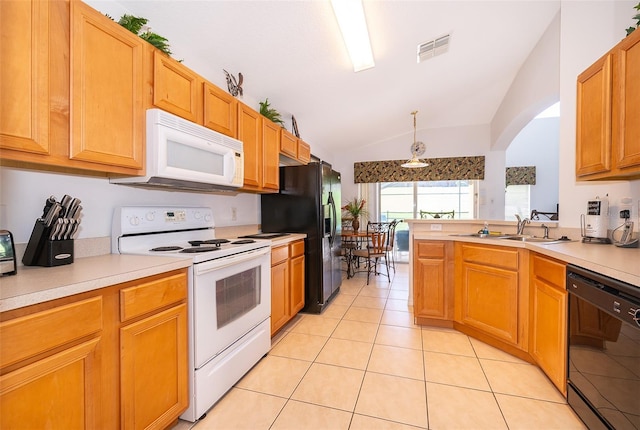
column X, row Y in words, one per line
column 375, row 250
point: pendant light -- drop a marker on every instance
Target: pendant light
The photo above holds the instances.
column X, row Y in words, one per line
column 417, row 149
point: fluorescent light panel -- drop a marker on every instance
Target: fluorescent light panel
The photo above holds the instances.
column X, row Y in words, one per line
column 350, row 16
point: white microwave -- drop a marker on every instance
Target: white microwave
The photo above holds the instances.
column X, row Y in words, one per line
column 182, row 155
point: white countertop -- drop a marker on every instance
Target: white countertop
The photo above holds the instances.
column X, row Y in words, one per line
column 609, row 260
column 34, row 284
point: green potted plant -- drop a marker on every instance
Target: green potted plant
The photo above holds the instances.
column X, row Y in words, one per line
column 270, row 113
column 637, row 18
column 355, row 208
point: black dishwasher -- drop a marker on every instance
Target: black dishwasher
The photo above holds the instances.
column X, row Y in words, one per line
column 603, row 385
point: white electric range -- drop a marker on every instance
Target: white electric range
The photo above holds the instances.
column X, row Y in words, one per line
column 229, row 296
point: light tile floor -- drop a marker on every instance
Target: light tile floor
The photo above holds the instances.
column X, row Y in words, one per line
column 363, row 364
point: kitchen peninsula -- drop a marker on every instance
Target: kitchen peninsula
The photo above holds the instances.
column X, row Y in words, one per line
column 510, row 294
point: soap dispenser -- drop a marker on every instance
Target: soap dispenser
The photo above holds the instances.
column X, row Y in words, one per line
column 485, row 229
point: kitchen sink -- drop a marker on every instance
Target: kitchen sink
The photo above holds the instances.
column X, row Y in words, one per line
column 532, row 239
column 481, row 235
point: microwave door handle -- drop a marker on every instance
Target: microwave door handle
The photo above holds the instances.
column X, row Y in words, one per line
column 208, row 266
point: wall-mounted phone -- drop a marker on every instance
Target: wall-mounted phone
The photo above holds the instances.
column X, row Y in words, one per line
column 626, row 239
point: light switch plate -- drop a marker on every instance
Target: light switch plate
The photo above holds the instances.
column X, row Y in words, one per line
column 436, row 227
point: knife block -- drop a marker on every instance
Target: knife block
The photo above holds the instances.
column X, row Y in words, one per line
column 44, row 252
column 56, row 253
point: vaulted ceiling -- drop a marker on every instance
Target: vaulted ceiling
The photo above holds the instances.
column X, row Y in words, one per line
column 292, row 53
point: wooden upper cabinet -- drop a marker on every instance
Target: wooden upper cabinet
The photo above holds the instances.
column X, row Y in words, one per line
column 593, row 134
column 24, row 68
column 176, row 88
column 288, row 144
column 107, row 81
column 250, row 133
column 260, row 138
column 608, row 105
column 271, row 151
column 304, row 152
column 628, row 104
column 220, row 110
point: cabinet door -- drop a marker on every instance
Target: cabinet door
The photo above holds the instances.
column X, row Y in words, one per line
column 250, row 133
column 24, row 68
column 220, row 110
column 304, row 152
column 490, row 300
column 548, row 334
column 280, row 309
column 271, row 155
column 429, row 298
column 154, row 372
column 594, row 109
column 57, row 392
column 176, row 88
column 628, row 104
column 107, row 84
column 297, row 284
column 288, row 144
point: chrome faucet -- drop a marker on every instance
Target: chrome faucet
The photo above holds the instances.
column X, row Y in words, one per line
column 546, row 231
column 521, row 224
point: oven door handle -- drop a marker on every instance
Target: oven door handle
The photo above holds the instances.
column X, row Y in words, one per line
column 208, row 266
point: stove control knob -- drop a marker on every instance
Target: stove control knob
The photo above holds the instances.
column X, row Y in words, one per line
column 197, row 215
column 207, row 217
column 150, row 216
column 134, row 220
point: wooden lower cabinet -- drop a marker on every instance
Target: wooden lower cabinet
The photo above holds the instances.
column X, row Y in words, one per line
column 280, row 301
column 296, row 270
column 433, row 281
column 72, row 363
column 287, row 283
column 491, row 294
column 548, row 318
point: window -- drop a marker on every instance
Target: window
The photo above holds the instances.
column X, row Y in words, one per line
column 407, row 199
column 517, row 201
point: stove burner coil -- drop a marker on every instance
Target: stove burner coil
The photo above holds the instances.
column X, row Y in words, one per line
column 166, row 248
column 216, row 242
column 200, row 249
column 242, row 242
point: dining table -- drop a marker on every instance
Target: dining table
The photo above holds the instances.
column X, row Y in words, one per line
column 352, row 240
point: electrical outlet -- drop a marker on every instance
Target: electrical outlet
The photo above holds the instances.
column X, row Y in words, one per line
column 436, row 227
column 234, row 214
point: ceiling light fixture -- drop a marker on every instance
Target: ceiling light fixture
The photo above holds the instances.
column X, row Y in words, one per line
column 350, row 17
column 417, row 148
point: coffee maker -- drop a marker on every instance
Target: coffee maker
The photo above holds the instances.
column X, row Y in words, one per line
column 594, row 225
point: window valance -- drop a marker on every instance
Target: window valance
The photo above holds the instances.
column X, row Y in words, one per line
column 523, row 175
column 439, row 169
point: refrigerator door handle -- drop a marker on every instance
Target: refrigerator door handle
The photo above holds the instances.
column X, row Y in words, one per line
column 332, row 203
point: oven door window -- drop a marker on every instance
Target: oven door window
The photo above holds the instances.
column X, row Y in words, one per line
column 231, row 296
column 237, row 295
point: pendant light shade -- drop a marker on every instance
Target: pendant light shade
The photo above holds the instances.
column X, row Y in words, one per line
column 417, row 148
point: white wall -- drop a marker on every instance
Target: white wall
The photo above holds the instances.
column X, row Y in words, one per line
column 535, row 88
column 537, row 145
column 23, row 193
column 588, row 30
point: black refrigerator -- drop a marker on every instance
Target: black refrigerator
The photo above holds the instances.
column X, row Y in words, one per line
column 309, row 202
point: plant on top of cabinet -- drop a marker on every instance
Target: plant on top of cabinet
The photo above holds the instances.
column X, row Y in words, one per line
column 135, row 23
column 637, row 18
column 270, row 113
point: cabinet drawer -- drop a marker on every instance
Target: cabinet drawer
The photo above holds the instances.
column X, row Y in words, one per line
column 37, row 333
column 550, row 270
column 497, row 257
column 429, row 249
column 144, row 298
column 297, row 248
column 279, row 254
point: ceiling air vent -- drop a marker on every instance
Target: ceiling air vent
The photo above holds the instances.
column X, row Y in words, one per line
column 432, row 48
